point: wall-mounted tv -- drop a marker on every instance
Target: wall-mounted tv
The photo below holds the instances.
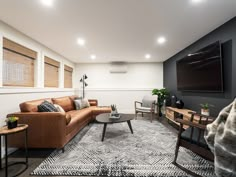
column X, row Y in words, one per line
column 201, row 71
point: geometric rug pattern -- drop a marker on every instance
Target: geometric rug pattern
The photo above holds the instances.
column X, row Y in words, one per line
column 148, row 152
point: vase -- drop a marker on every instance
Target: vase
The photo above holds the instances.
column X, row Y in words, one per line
column 11, row 125
column 179, row 104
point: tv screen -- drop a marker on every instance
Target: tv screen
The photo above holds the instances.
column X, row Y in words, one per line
column 201, row 70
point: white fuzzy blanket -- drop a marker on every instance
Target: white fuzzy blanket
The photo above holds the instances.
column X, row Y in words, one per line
column 221, row 138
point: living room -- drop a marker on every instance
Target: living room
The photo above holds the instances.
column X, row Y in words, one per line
column 125, row 49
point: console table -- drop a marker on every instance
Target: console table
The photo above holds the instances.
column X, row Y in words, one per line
column 4, row 131
column 173, row 113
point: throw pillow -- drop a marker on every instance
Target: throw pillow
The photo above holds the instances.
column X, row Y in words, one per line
column 47, row 107
column 59, row 108
column 85, row 103
column 78, row 103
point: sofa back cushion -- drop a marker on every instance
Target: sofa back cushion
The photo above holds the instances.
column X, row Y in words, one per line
column 32, row 106
column 65, row 102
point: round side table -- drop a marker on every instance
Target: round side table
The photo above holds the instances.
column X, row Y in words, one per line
column 4, row 131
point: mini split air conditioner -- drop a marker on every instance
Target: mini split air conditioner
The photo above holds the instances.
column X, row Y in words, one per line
column 118, row 67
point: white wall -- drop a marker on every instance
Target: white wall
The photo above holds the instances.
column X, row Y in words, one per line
column 121, row 89
column 11, row 97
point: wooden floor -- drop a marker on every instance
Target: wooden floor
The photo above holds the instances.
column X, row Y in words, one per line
column 36, row 156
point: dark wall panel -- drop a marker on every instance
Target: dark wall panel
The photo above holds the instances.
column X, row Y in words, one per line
column 226, row 34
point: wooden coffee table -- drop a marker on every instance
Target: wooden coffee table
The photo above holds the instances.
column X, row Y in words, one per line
column 105, row 119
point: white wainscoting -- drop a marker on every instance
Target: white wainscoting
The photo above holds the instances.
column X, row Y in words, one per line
column 123, row 97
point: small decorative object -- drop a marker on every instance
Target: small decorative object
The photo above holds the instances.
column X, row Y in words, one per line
column 12, row 122
column 179, row 104
column 205, row 109
column 114, row 113
column 161, row 96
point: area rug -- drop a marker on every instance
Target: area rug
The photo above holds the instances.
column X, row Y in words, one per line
column 148, row 152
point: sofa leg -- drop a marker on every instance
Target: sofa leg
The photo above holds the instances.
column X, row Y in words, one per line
column 63, row 150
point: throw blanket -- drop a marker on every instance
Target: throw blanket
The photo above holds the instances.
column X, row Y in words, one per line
column 221, row 138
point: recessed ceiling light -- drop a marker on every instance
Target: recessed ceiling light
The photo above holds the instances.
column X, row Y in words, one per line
column 48, row 3
column 196, row 1
column 147, row 56
column 161, row 40
column 93, row 57
column 81, row 41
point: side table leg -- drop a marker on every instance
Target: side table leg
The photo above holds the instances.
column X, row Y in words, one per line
column 26, row 147
column 130, row 127
column 6, row 160
column 104, row 131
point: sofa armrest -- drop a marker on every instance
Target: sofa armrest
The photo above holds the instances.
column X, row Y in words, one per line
column 93, row 102
column 45, row 129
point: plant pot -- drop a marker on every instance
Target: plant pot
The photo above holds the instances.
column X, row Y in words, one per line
column 205, row 112
column 159, row 111
column 11, row 125
column 114, row 112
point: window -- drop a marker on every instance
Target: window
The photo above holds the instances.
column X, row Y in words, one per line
column 18, row 64
column 51, row 72
column 68, row 71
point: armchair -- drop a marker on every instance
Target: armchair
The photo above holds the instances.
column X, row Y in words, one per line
column 146, row 106
column 193, row 138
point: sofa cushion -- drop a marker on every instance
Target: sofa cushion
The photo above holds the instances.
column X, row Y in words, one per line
column 148, row 100
column 65, row 102
column 78, row 117
column 32, row 106
column 93, row 102
column 68, row 119
column 47, row 107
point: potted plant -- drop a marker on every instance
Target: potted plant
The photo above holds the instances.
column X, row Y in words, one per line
column 12, row 122
column 162, row 94
column 205, row 108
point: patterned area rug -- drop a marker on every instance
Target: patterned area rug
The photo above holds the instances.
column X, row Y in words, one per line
column 147, row 152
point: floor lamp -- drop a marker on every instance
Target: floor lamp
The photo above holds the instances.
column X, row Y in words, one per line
column 84, row 83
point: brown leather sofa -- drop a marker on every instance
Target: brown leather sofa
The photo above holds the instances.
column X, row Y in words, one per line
column 53, row 129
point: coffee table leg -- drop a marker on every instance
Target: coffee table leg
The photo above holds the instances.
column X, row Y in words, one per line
column 130, row 127
column 104, row 131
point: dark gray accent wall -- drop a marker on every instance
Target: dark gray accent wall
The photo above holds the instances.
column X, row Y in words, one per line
column 226, row 34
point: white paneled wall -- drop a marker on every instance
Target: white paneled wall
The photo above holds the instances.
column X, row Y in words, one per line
column 121, row 89
column 10, row 97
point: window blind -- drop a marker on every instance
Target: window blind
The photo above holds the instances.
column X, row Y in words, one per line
column 18, row 64
column 51, row 72
column 68, row 72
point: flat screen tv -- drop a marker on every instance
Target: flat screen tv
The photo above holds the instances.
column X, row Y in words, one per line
column 201, row 71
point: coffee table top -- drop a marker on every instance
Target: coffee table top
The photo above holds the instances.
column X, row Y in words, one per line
column 105, row 118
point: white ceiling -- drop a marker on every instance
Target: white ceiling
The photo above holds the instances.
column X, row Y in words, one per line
column 116, row 30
